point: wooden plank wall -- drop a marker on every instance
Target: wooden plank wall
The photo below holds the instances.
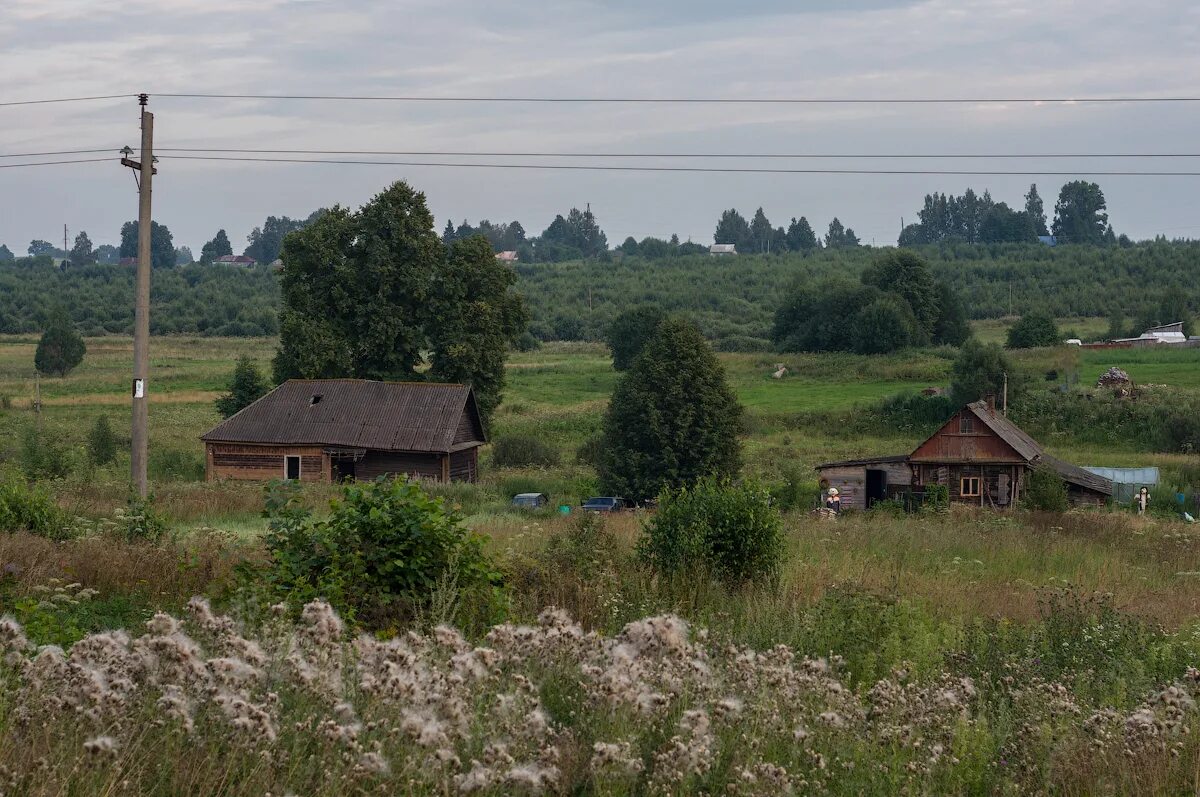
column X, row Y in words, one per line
column 464, row 465
column 263, row 463
column 383, row 463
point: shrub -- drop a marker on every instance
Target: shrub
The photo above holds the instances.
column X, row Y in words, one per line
column 589, row 451
column 1033, row 330
column 380, row 557
column 1045, row 490
column 523, row 451
column 30, row 508
column 101, row 443
column 795, row 491
column 140, row 520
column 722, row 529
column 171, row 464
column 44, row 455
column 527, row 341
column 61, row 348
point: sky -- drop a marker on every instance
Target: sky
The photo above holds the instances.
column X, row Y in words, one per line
column 580, row 48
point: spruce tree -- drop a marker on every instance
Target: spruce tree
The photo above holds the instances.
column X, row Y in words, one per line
column 672, row 420
column 246, row 386
column 629, row 332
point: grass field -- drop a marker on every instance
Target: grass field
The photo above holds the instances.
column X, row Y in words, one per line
column 963, row 652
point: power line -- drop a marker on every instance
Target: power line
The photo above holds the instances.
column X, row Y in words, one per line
column 9, row 103
column 58, row 152
column 692, row 100
column 713, row 155
column 54, row 163
column 697, row 169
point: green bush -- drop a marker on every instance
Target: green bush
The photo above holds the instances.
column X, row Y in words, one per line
column 1045, row 490
column 101, row 443
column 31, row 508
column 590, row 451
column 384, row 555
column 44, row 455
column 1034, row 329
column 796, row 491
column 730, row 531
column 523, row 451
column 173, row 465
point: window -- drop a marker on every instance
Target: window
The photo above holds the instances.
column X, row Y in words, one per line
column 966, row 424
column 315, row 400
column 969, row 487
column 291, row 468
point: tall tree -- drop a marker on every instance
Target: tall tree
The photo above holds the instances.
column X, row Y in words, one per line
column 952, row 327
column 732, row 228
column 183, row 256
column 838, row 236
column 107, row 253
column 6, row 254
column 800, row 236
column 1035, row 211
column 760, row 231
column 162, row 247
column 38, row 247
column 365, row 294
column 673, row 418
column 474, row 316
column 82, row 253
column 979, row 371
column 1079, row 216
column 219, row 246
column 60, row 348
column 448, row 234
column 264, row 243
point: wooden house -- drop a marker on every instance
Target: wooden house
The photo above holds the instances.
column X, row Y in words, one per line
column 335, row 429
column 979, row 455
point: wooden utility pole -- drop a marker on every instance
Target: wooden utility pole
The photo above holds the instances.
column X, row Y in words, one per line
column 144, row 170
column 66, row 251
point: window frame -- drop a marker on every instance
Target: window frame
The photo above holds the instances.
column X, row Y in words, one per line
column 962, row 486
column 299, row 467
column 966, row 424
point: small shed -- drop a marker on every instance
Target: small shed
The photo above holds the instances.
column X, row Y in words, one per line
column 722, row 249
column 339, row 429
column 862, row 482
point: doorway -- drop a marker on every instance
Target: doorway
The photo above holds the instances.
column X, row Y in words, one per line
column 291, row 468
column 876, row 486
column 343, row 469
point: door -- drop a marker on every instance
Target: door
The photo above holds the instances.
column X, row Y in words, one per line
column 876, row 486
column 343, row 470
column 291, row 468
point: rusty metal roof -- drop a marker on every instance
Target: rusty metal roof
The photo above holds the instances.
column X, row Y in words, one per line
column 353, row 413
column 1078, row 476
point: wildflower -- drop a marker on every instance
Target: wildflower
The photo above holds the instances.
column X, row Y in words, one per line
column 101, row 745
column 374, row 764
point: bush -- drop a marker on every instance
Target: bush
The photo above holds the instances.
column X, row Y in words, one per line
column 32, row 509
column 795, row 491
column 61, row 348
column 1033, row 330
column 246, row 386
column 173, row 465
column 44, row 455
column 140, row 520
column 1045, row 490
column 527, row 341
column 721, row 529
column 523, row 451
column 101, row 443
column 629, row 331
column 384, row 555
column 589, row 451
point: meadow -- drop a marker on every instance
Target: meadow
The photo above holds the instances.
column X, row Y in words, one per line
column 962, row 652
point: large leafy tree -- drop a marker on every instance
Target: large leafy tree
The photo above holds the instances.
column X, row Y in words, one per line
column 82, row 253
column 732, row 228
column 473, row 317
column 904, row 273
column 38, row 247
column 673, row 418
column 1079, row 215
column 821, row 316
column 246, row 386
column 885, row 325
column 365, row 294
column 629, row 331
column 978, row 371
column 6, row 254
column 61, row 348
column 219, row 246
column 1034, row 329
column 162, row 247
column 952, row 327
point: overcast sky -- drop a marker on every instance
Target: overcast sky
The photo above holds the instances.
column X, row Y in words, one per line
column 681, row 48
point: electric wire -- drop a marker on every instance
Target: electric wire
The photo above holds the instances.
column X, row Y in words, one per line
column 58, row 152
column 712, row 155
column 692, row 169
column 55, row 163
column 11, row 103
column 691, row 100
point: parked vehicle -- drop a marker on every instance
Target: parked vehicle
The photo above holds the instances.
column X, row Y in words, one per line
column 530, row 500
column 606, row 504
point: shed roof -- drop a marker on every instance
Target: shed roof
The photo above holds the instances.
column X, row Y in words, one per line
column 894, row 459
column 356, row 413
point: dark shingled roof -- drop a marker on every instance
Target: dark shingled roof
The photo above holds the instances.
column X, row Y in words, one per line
column 894, row 459
column 355, row 413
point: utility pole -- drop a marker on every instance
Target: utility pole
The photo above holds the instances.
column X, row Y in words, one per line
column 66, row 251
column 143, row 172
column 1006, row 394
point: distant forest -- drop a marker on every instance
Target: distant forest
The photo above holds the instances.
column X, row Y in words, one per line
column 732, row 298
